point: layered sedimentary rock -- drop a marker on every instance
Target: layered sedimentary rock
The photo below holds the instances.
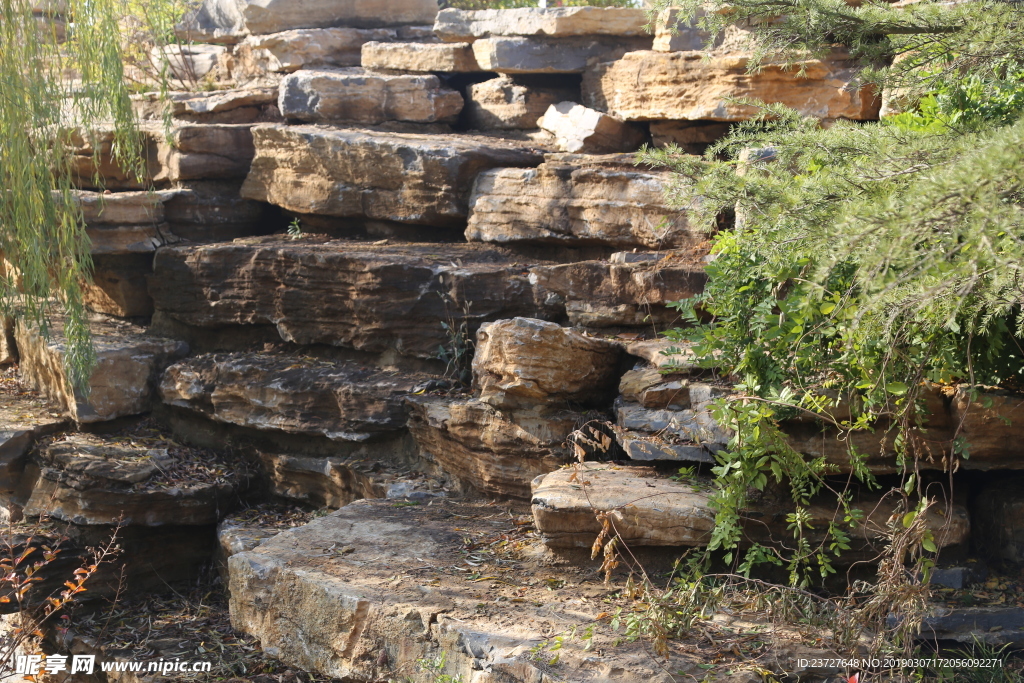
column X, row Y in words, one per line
column 360, row 96
column 228, row 21
column 125, row 222
column 214, row 211
column 241, row 105
column 523, row 362
column 25, row 417
column 496, row 452
column 507, row 103
column 692, row 137
column 120, row 286
column 461, row 25
column 128, row 364
column 421, row 57
column 290, row 51
column 528, row 55
column 649, row 509
column 578, row 129
column 578, row 200
column 324, row 482
column 409, row 178
column 342, row 401
column 646, row 86
column 602, row 294
column 342, row 293
column 687, row 425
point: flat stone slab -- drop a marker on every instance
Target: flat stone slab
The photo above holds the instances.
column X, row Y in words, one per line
column 467, row 25
column 496, row 452
column 128, row 365
column 420, row 57
column 125, row 222
column 578, row 200
column 995, row 626
column 343, row 293
column 648, row 86
column 420, row 179
column 604, row 294
column 88, row 479
column 239, row 105
column 365, row 592
column 25, row 417
column 359, row 96
column 533, row 55
column 290, row 51
column 651, row 509
column 295, row 395
column 510, row 104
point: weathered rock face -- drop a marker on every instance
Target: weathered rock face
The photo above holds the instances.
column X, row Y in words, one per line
column 128, row 363
column 25, row 417
column 448, row 57
column 671, row 513
column 8, row 349
column 323, row 482
column 461, row 25
column 578, row 200
column 521, row 55
column 686, row 425
column 645, row 86
column 578, row 129
column 242, row 105
column 651, row 389
column 507, row 103
column 387, row 176
column 997, row 510
column 119, row 286
column 993, row 432
column 523, row 362
column 188, row 64
column 290, row 51
column 692, row 137
column 227, row 21
column 214, row 211
column 359, row 96
column 601, row 294
column 86, row 479
column 350, row 294
column 342, row 401
column 125, row 222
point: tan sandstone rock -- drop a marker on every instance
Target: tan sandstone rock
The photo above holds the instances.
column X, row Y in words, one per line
column 645, row 86
column 522, row 362
column 692, row 137
column 350, row 294
column 507, row 103
column 420, row 57
column 555, row 22
column 239, row 105
column 578, row 129
column 578, row 200
column 290, row 51
column 8, row 348
column 128, row 364
column 360, row 96
column 409, row 178
column 120, row 286
column 535, row 55
column 496, row 452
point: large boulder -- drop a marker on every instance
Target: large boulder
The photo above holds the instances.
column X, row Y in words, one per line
column 648, row 86
column 578, row 200
column 496, row 452
column 420, row 57
column 532, row 55
column 409, row 178
column 290, row 51
column 360, row 96
column 128, row 365
column 521, row 363
column 349, row 294
column 228, row 21
column 342, row 401
column 515, row 103
column 555, row 22
column 578, row 129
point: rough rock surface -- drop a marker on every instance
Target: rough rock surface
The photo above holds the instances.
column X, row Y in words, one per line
column 188, row 64
column 214, row 211
column 692, row 137
column 228, row 21
column 128, row 364
column 652, row 389
column 119, row 286
column 496, row 452
column 555, row 22
column 290, row 51
column 688, row 425
column 8, row 348
column 507, row 103
column 360, row 96
column 520, row 55
column 388, row 176
column 352, row 294
column 342, row 401
column 602, row 294
column 578, row 200
column 993, row 426
column 523, row 362
column 422, row 57
column 367, row 591
column 125, row 222
column 646, row 86
column 240, row 105
column 322, row 482
column 997, row 510
column 85, row 479
column 650, row 509
column 25, row 417
column 673, row 32
column 578, row 129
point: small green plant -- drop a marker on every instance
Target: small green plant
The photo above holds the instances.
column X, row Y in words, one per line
column 295, row 229
column 457, row 350
column 435, row 667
